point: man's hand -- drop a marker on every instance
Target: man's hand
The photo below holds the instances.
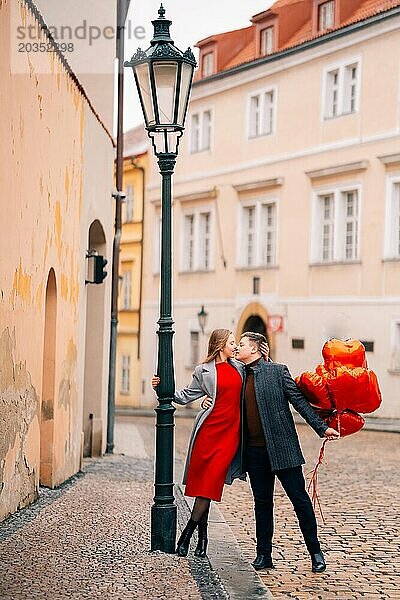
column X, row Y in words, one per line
column 155, row 381
column 332, row 434
column 206, row 402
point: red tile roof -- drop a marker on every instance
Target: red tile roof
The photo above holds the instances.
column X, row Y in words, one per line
column 295, row 26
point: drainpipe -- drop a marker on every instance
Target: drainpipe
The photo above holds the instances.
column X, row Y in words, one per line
column 141, row 169
column 119, row 196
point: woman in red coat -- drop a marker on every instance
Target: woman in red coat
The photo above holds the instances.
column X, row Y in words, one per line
column 216, row 433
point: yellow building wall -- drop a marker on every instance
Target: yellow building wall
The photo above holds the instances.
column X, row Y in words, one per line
column 130, row 260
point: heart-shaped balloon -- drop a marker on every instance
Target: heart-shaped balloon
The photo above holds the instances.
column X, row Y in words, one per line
column 315, row 389
column 346, row 422
column 350, row 353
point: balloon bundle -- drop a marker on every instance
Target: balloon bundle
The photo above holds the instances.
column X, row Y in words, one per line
column 339, row 390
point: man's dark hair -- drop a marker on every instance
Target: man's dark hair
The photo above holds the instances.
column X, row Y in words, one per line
column 259, row 340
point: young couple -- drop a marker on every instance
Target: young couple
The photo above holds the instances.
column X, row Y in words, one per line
column 246, row 426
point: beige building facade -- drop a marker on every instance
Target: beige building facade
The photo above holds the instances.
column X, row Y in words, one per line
column 287, row 197
column 56, row 177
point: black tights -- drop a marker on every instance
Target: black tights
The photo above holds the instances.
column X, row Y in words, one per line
column 201, row 508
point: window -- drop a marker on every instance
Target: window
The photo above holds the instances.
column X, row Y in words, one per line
column 197, row 247
column 392, row 225
column 368, row 345
column 337, row 225
column 129, row 204
column 201, row 129
column 342, row 85
column 189, row 242
column 126, row 290
column 205, row 240
column 258, row 235
column 262, row 114
column 125, row 374
column 194, row 348
column 256, row 286
column 298, row 343
column 267, row 40
column 351, row 225
column 326, row 15
column 208, row 64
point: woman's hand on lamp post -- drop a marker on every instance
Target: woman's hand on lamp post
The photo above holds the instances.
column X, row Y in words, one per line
column 155, row 381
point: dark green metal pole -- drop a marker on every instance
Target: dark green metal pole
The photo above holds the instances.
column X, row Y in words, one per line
column 163, row 511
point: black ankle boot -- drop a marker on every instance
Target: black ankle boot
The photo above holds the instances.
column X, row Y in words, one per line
column 201, row 548
column 184, row 540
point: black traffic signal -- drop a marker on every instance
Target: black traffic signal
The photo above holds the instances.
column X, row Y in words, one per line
column 99, row 273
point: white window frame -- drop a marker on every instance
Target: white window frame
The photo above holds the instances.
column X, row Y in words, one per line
column 391, row 241
column 324, row 27
column 126, row 295
column 259, row 242
column 129, row 200
column 201, row 146
column 261, row 94
column 344, row 86
column 208, row 63
column 339, row 221
column 395, row 345
column 267, row 36
column 198, row 242
column 125, row 381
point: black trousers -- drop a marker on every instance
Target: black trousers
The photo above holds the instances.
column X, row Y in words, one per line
column 262, row 481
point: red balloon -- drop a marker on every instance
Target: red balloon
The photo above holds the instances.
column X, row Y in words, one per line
column 355, row 389
column 350, row 353
column 315, row 389
column 346, row 422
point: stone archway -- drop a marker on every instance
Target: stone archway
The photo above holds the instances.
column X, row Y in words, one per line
column 48, row 383
column 255, row 318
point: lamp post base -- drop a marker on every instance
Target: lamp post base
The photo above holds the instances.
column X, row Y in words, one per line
column 163, row 528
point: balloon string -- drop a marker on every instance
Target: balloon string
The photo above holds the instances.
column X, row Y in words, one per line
column 313, row 485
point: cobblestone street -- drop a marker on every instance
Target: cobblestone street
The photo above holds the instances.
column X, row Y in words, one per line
column 90, row 538
column 358, row 485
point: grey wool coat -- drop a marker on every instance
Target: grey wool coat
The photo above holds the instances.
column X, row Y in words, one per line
column 274, row 390
column 204, row 383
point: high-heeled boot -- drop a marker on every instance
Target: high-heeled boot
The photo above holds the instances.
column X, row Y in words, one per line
column 182, row 547
column 201, row 548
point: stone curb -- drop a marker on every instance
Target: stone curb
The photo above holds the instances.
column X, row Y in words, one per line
column 237, row 577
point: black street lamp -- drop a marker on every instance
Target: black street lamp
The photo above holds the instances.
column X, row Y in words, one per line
column 202, row 317
column 163, row 76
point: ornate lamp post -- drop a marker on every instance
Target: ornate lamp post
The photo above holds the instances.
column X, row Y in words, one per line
column 163, row 76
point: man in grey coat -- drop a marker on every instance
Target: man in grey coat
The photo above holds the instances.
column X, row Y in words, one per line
column 272, row 446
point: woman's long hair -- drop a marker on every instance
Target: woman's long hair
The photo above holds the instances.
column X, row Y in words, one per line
column 216, row 343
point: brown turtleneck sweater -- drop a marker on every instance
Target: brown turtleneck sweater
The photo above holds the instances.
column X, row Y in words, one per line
column 255, row 434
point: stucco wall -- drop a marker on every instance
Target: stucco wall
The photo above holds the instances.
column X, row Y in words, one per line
column 45, row 125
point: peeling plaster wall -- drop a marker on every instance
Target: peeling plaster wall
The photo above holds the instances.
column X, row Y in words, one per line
column 45, row 125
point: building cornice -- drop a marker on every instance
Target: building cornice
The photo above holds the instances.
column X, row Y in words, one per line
column 258, row 185
column 350, row 167
column 210, row 194
column 390, row 159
